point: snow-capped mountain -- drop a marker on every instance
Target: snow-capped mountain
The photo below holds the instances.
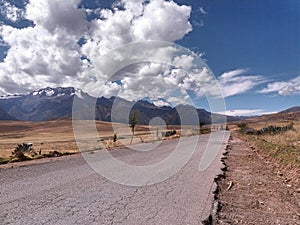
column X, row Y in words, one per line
column 58, row 92
column 44, row 104
column 10, row 96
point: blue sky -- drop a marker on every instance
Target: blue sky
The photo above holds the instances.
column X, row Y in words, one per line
column 255, row 42
column 261, row 36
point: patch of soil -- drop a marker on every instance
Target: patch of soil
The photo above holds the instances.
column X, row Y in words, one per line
column 251, row 193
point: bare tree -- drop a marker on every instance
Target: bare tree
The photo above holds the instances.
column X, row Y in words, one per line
column 132, row 122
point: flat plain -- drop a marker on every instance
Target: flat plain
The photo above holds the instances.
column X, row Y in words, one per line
column 58, row 135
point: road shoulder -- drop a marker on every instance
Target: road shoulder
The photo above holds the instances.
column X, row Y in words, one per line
column 249, row 192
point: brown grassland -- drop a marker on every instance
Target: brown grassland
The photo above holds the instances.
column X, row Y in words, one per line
column 57, row 135
column 282, row 148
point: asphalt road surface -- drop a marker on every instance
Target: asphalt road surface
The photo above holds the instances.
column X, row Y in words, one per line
column 69, row 191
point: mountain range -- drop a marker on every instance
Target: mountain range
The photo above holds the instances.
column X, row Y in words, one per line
column 291, row 110
column 53, row 103
column 5, row 116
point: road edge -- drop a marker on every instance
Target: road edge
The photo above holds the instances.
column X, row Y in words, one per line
column 216, row 204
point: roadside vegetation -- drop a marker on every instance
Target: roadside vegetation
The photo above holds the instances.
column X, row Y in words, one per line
column 132, row 123
column 280, row 141
column 25, row 152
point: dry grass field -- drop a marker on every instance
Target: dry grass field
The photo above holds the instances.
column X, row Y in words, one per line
column 57, row 135
column 49, row 136
column 45, row 136
column 282, row 149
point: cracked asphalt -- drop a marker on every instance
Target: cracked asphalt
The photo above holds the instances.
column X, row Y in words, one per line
column 69, row 191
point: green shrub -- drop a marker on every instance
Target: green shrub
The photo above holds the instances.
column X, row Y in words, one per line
column 272, row 129
column 23, row 148
column 242, row 125
column 20, row 149
column 170, row 133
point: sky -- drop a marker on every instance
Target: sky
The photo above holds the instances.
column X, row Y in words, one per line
column 252, row 47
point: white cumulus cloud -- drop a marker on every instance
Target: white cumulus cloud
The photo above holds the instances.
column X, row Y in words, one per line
column 10, row 11
column 48, row 54
column 57, row 16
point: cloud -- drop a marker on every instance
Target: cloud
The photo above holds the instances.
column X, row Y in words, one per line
column 37, row 59
column 198, row 24
column 236, row 82
column 138, row 22
column 152, row 80
column 283, row 87
column 58, row 16
column 245, row 112
column 174, row 84
column 48, row 53
column 202, row 11
column 184, row 62
column 10, row 11
column 161, row 103
column 159, row 20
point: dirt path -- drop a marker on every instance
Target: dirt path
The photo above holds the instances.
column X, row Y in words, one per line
column 251, row 193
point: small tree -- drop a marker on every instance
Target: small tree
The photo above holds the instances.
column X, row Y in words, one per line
column 115, row 137
column 132, row 122
column 167, row 121
column 201, row 124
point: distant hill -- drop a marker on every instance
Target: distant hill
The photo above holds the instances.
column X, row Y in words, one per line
column 289, row 115
column 291, row 110
column 54, row 103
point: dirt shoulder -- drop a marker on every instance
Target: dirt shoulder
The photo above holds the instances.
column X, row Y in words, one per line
column 36, row 161
column 251, row 192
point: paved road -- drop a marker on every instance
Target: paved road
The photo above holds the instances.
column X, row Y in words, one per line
column 69, row 191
